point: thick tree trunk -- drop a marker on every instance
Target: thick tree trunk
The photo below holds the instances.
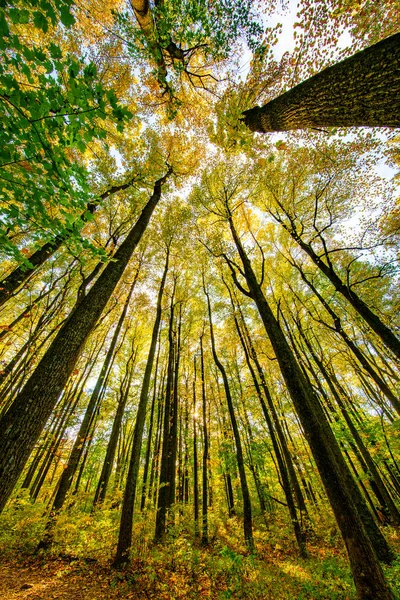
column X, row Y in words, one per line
column 363, row 90
column 126, row 524
column 367, row 572
column 92, row 407
column 25, row 419
column 70, row 400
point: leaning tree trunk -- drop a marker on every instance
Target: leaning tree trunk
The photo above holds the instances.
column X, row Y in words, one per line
column 125, row 530
column 367, row 572
column 374, row 374
column 325, row 265
column 95, row 398
column 363, row 90
column 16, row 278
column 23, row 423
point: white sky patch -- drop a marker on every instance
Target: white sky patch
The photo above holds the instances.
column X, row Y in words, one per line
column 118, row 158
column 286, row 41
column 287, row 17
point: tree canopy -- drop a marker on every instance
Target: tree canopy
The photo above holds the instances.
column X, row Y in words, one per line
column 199, row 326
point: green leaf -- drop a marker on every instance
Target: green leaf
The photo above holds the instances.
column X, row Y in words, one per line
column 13, row 13
column 4, row 31
column 40, row 21
column 66, row 18
column 55, row 51
column 24, row 16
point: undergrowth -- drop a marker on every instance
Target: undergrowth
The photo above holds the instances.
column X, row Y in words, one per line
column 181, row 568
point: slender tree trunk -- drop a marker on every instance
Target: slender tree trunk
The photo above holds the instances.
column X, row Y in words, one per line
column 282, row 467
column 173, row 441
column 383, row 331
column 223, row 448
column 204, row 529
column 247, row 516
column 106, row 470
column 24, row 421
column 195, row 462
column 382, row 385
column 363, row 90
column 163, row 491
column 368, row 576
column 150, row 434
column 126, row 524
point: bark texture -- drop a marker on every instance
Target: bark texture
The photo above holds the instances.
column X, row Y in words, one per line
column 23, row 423
column 363, row 90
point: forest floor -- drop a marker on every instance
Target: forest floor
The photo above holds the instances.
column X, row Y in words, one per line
column 78, row 566
column 218, row 575
column 62, row 579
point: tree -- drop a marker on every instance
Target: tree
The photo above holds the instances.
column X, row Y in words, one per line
column 254, row 407
column 362, row 90
column 125, row 530
column 50, row 376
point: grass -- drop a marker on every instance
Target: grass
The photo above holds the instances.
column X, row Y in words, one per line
column 181, row 568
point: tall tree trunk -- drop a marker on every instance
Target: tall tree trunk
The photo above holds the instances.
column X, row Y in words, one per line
column 126, row 524
column 173, row 441
column 247, row 516
column 195, row 462
column 25, row 419
column 163, row 491
column 367, row 572
column 92, row 407
column 204, row 528
column 150, row 433
column 282, row 466
column 363, row 90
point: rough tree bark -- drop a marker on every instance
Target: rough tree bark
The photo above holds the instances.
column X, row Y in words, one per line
column 363, row 90
column 23, row 423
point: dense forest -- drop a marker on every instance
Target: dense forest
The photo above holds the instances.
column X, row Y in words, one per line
column 199, row 299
